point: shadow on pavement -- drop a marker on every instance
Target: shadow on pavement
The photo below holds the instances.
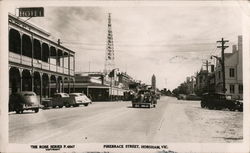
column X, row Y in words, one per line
column 138, row 107
column 14, row 113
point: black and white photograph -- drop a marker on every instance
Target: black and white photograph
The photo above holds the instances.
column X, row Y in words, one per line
column 126, row 76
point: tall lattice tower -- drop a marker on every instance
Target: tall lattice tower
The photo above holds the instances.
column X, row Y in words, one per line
column 109, row 56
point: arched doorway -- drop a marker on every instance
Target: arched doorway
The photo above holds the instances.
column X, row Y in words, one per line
column 59, row 61
column 14, row 80
column 45, row 52
column 37, row 49
column 37, row 83
column 26, row 46
column 45, row 85
column 26, row 80
column 53, row 85
column 66, row 85
column 14, row 41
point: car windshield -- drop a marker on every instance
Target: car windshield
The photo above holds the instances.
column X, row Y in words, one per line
column 75, row 94
column 143, row 92
column 228, row 97
column 65, row 95
column 57, row 95
column 28, row 94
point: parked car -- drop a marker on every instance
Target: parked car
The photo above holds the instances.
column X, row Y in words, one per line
column 220, row 101
column 144, row 98
column 193, row 97
column 181, row 96
column 80, row 99
column 25, row 100
column 61, row 99
column 158, row 95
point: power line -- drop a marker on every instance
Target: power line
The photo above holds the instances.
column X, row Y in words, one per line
column 151, row 44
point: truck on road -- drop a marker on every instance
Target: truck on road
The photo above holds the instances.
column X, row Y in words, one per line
column 144, row 98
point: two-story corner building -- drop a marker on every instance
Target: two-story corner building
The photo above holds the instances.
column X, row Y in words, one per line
column 233, row 72
column 201, row 82
column 124, row 79
column 94, row 85
column 191, row 84
column 36, row 63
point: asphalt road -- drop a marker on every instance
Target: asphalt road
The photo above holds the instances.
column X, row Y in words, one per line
column 117, row 122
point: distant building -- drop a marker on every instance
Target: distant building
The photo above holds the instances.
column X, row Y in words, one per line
column 124, row 80
column 201, row 82
column 233, row 72
column 92, row 84
column 153, row 82
column 99, row 88
column 191, row 83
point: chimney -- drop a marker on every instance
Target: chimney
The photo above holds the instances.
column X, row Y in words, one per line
column 240, row 43
column 59, row 42
column 234, row 48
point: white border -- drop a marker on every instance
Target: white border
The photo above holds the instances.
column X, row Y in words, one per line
column 178, row 147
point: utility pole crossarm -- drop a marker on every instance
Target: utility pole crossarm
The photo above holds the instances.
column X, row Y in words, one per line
column 221, row 46
column 222, row 41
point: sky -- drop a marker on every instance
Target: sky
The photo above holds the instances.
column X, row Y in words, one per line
column 170, row 41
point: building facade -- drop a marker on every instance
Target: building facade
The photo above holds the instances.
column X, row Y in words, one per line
column 36, row 63
column 95, row 86
column 124, row 80
column 191, row 84
column 233, row 72
column 201, row 82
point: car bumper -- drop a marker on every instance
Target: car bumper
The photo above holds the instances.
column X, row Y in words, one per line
column 31, row 107
column 82, row 102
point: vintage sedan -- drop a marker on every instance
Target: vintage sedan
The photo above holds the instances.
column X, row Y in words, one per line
column 193, row 97
column 80, row 99
column 25, row 100
column 61, row 99
column 181, row 96
column 220, row 101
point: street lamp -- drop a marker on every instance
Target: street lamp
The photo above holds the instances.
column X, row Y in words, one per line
column 112, row 75
column 223, row 71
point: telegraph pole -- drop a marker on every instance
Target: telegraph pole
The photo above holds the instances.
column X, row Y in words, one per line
column 223, row 47
column 207, row 80
column 207, row 64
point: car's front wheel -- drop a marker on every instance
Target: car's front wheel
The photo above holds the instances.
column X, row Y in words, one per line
column 36, row 110
column 19, row 111
column 75, row 105
column 202, row 105
column 46, row 105
column 232, row 109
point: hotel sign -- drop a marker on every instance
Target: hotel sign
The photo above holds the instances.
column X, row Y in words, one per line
column 31, row 12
